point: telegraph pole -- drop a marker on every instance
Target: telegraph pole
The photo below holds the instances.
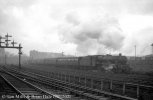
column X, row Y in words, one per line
column 135, row 51
column 6, row 45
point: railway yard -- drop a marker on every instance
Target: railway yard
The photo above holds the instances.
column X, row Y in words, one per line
column 17, row 88
column 76, row 50
column 63, row 84
column 92, row 77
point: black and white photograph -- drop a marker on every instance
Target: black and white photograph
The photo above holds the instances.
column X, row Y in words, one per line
column 76, row 49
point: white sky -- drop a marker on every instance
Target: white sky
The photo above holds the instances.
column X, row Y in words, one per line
column 79, row 26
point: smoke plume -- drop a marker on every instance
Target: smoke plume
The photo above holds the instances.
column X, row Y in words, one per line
column 95, row 36
column 83, row 27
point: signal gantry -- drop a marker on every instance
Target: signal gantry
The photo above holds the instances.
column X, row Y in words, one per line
column 8, row 44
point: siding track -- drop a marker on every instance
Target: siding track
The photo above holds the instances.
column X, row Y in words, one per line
column 25, row 90
column 73, row 89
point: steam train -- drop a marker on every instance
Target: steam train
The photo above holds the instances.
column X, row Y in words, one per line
column 92, row 62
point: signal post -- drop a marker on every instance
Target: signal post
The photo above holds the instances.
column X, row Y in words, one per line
column 12, row 46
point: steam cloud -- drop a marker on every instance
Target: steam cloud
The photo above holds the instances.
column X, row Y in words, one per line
column 96, row 36
column 86, row 26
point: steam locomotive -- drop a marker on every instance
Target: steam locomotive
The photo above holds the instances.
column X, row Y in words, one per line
column 93, row 62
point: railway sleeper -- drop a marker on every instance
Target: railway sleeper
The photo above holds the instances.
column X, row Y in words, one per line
column 108, row 87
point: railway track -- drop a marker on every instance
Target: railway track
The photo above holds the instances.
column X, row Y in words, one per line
column 128, row 78
column 133, row 90
column 25, row 90
column 82, row 91
column 64, row 92
column 6, row 89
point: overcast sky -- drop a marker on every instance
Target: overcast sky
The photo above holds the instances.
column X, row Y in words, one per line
column 79, row 27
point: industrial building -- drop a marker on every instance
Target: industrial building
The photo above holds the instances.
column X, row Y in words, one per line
column 42, row 55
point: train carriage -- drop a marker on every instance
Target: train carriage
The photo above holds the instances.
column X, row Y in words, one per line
column 92, row 62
